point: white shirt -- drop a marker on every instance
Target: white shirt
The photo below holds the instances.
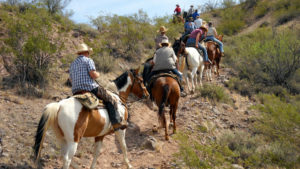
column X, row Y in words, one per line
column 198, row 23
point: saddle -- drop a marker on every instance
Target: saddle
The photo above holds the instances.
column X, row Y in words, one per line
column 163, row 73
column 89, row 100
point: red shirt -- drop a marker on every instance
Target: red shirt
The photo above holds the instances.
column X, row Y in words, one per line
column 177, row 9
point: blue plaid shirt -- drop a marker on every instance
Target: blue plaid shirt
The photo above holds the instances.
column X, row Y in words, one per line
column 79, row 74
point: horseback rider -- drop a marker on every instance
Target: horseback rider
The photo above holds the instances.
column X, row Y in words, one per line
column 191, row 11
column 195, row 14
column 177, row 10
column 83, row 75
column 194, row 41
column 161, row 36
column 212, row 34
column 165, row 59
column 188, row 28
column 198, row 22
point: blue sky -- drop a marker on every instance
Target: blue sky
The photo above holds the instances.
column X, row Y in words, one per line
column 154, row 8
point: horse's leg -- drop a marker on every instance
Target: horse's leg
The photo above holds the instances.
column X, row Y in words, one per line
column 71, row 150
column 187, row 81
column 201, row 73
column 194, row 73
column 173, row 114
column 97, row 148
column 121, row 138
column 210, row 76
column 218, row 67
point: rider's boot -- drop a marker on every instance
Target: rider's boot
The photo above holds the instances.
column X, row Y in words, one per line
column 115, row 118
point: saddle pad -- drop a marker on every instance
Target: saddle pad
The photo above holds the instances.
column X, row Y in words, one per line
column 154, row 77
column 89, row 100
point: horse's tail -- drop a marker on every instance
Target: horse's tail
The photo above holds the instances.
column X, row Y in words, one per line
column 48, row 119
column 164, row 100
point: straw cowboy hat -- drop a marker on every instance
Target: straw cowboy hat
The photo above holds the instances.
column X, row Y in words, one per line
column 83, row 48
column 203, row 27
column 162, row 29
column 165, row 41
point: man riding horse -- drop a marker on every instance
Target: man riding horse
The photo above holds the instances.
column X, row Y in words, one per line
column 83, row 75
column 164, row 60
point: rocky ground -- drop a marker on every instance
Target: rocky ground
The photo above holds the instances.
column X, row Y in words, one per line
column 19, row 119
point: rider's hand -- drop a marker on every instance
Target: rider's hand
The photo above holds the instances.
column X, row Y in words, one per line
column 196, row 45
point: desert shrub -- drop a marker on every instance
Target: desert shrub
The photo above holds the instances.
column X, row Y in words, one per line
column 125, row 33
column 232, row 20
column 272, row 57
column 31, row 46
column 55, row 6
column 214, row 93
column 261, row 9
column 196, row 155
column 103, row 62
column 279, row 123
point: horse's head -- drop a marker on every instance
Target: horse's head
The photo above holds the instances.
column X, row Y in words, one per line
column 138, row 88
column 131, row 82
column 178, row 46
column 220, row 37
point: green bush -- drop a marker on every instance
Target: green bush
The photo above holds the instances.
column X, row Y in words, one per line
column 196, row 155
column 232, row 20
column 214, row 93
column 272, row 58
column 103, row 62
column 33, row 50
column 280, row 124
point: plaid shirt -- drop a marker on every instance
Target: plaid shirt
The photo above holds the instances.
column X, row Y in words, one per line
column 79, row 74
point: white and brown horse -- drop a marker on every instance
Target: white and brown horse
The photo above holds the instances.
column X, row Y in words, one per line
column 71, row 121
column 189, row 64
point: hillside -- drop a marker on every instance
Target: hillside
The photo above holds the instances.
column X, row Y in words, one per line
column 246, row 118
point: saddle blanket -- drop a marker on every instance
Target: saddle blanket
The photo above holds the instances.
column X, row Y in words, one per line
column 90, row 101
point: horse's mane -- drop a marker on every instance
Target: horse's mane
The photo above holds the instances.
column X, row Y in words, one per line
column 121, row 80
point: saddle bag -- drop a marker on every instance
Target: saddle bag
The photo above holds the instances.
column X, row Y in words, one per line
column 89, row 100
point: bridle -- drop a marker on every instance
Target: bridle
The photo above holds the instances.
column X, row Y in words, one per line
column 139, row 84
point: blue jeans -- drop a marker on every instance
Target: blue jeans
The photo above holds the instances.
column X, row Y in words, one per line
column 175, row 71
column 192, row 41
column 216, row 40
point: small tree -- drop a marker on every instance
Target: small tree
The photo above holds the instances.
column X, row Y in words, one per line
column 55, row 6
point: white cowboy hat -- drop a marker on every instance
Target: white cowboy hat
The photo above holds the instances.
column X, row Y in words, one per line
column 165, row 41
column 83, row 48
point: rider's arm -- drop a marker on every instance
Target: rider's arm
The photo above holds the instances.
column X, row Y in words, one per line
column 94, row 74
column 215, row 32
column 197, row 39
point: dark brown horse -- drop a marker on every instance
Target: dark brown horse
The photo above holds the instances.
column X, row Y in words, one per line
column 166, row 92
column 214, row 54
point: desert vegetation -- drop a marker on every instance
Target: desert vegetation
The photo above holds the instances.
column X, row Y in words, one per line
column 265, row 65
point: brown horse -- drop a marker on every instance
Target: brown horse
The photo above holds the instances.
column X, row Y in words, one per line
column 214, row 54
column 166, row 91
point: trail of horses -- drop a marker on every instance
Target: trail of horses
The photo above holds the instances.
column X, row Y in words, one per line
column 19, row 118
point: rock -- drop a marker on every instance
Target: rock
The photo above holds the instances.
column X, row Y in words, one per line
column 151, row 143
column 236, row 166
column 115, row 165
column 216, row 111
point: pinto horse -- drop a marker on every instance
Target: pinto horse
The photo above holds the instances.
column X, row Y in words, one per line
column 194, row 60
column 71, row 121
column 214, row 54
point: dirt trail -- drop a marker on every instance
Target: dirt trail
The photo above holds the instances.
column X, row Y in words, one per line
column 19, row 118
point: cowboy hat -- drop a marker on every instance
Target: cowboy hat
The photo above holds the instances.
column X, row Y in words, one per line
column 165, row 41
column 203, row 27
column 83, row 48
column 162, row 29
